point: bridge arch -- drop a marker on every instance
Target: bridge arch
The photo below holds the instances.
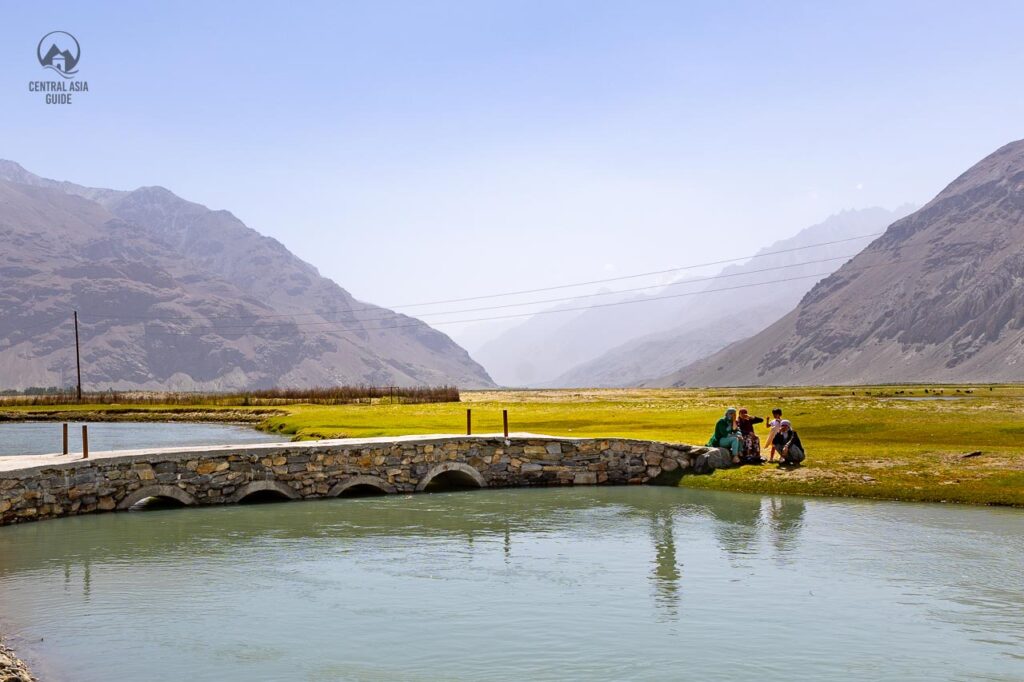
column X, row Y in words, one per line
column 169, row 492
column 275, row 488
column 361, row 481
column 457, row 472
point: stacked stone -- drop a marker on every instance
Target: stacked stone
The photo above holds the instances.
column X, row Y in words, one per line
column 312, row 470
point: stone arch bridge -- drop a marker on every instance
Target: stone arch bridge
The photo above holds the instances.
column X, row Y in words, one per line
column 50, row 486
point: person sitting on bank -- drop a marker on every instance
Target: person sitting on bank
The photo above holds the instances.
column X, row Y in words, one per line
column 787, row 444
column 727, row 435
column 751, row 443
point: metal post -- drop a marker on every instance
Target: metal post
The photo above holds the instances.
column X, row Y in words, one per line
column 504, row 418
column 65, row 438
column 469, row 422
column 85, row 442
column 78, row 359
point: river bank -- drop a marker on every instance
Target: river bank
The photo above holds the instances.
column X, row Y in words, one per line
column 12, row 668
column 960, row 444
column 957, row 444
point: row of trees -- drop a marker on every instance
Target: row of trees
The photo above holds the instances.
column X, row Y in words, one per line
column 323, row 395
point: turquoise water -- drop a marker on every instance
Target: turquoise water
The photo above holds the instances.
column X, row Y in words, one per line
column 41, row 438
column 633, row 583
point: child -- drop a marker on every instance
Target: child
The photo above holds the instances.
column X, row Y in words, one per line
column 773, row 428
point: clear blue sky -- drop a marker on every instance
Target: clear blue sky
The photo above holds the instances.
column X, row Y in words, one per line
column 428, row 150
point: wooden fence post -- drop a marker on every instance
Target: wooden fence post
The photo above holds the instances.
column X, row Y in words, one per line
column 65, row 429
column 504, row 419
column 469, row 422
column 85, row 442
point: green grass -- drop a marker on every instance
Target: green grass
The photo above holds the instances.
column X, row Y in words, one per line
column 861, row 441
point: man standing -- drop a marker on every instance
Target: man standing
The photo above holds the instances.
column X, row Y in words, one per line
column 787, row 444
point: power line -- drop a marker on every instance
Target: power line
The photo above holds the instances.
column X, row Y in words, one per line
column 289, row 325
column 642, row 274
column 200, row 332
column 513, row 293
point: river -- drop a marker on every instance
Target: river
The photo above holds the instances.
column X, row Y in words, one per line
column 41, row 438
column 637, row 583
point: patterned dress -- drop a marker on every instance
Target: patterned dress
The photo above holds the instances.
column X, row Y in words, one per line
column 751, row 443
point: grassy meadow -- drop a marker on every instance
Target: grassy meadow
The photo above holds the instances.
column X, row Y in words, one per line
column 892, row 442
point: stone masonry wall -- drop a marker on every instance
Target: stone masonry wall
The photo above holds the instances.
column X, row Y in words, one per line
column 312, row 470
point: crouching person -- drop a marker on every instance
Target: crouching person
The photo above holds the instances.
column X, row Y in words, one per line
column 727, row 435
column 787, row 444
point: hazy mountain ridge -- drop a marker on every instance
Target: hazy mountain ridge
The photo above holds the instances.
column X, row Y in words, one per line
column 644, row 359
column 674, row 325
column 938, row 297
column 536, row 349
column 169, row 294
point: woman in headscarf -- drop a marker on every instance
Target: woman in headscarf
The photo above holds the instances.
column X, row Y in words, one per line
column 727, row 435
column 751, row 443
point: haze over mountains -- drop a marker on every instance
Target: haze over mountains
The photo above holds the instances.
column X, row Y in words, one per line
column 663, row 330
column 172, row 295
column 938, row 297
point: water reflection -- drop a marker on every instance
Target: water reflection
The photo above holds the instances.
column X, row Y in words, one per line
column 74, row 584
column 667, row 571
column 449, row 574
column 785, row 517
column 740, row 526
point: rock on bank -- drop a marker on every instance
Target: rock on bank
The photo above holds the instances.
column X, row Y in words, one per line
column 12, row 669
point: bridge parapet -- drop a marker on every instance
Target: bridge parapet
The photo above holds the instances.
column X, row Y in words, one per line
column 52, row 486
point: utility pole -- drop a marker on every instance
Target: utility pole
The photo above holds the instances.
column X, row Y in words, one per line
column 78, row 359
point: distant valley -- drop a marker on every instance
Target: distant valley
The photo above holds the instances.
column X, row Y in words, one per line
column 662, row 330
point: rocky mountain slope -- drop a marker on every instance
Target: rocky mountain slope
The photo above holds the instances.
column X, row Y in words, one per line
column 938, row 297
column 627, row 345
column 738, row 302
column 172, row 295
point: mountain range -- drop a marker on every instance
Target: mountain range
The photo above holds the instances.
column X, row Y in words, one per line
column 173, row 295
column 660, row 331
column 938, row 297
